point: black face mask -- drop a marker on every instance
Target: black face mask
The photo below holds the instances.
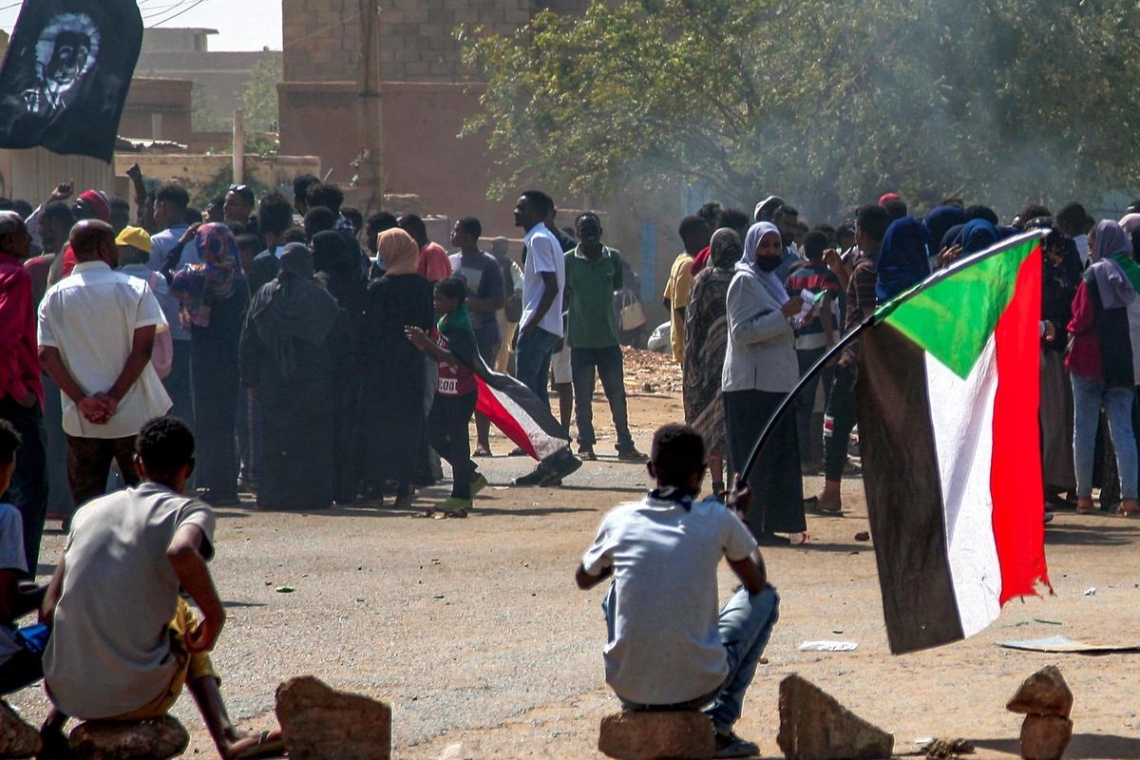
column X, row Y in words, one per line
column 767, row 263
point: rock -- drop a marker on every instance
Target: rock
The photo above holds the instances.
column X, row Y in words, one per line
column 683, row 735
column 1045, row 737
column 320, row 723
column 17, row 738
column 153, row 739
column 1043, row 693
column 814, row 726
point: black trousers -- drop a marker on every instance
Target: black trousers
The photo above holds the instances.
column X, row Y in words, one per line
column 29, row 489
column 447, row 432
column 838, row 423
column 89, row 464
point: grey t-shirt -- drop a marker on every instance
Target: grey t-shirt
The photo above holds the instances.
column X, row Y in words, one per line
column 666, row 647
column 109, row 651
column 11, row 558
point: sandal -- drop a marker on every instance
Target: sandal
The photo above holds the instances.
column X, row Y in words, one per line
column 1131, row 510
column 1085, row 505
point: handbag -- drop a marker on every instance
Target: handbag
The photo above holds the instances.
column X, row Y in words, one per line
column 632, row 312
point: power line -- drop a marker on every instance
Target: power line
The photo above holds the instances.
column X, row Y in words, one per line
column 176, row 15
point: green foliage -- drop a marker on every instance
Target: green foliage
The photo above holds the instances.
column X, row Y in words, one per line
column 205, row 116
column 826, row 102
column 259, row 98
column 262, row 144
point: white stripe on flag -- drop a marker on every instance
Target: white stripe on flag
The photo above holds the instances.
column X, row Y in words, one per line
column 962, row 413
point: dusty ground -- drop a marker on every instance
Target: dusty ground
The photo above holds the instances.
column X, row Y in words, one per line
column 474, row 631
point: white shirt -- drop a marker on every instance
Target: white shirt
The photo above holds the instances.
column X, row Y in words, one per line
column 543, row 254
column 91, row 318
column 161, row 244
column 666, row 646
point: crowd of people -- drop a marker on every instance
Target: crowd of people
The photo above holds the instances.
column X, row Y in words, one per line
column 756, row 300
column 245, row 348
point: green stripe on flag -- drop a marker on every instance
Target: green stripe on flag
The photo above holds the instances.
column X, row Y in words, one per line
column 952, row 315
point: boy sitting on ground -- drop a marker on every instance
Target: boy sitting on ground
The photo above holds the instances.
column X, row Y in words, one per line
column 668, row 647
column 123, row 641
column 21, row 650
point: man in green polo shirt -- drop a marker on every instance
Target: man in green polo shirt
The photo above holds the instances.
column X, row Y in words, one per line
column 593, row 273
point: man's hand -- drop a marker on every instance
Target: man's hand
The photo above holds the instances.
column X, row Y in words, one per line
column 559, row 344
column 833, row 260
column 63, row 191
column 94, row 410
column 417, row 336
column 739, row 500
column 1050, row 332
column 948, row 256
column 134, row 172
column 527, row 331
column 204, row 636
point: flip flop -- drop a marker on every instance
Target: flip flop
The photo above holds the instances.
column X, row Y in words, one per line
column 269, row 744
column 811, row 504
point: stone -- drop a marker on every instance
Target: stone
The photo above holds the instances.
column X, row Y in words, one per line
column 681, row 735
column 320, row 723
column 1043, row 693
column 153, row 739
column 1045, row 737
column 814, row 726
column 17, row 738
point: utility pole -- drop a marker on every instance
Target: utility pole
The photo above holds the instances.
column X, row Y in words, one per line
column 369, row 163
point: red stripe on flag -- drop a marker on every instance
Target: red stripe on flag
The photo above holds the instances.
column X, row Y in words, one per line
column 1015, row 474
column 489, row 406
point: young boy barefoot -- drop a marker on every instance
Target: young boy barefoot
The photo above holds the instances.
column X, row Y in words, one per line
column 123, row 642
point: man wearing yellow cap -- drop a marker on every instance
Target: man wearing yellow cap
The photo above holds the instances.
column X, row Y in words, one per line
column 134, row 254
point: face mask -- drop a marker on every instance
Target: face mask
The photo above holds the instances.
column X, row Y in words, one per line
column 767, row 263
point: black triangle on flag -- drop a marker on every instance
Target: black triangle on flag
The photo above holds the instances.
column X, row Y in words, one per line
column 66, row 75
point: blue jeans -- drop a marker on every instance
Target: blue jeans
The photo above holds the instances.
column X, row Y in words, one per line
column 1088, row 399
column 533, row 361
column 745, row 624
column 608, row 362
column 29, row 489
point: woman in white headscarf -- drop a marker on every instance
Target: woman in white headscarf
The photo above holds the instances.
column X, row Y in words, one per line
column 760, row 368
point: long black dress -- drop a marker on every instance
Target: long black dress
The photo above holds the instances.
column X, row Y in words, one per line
column 392, row 404
column 304, row 326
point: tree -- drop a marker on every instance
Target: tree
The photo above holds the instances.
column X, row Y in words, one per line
column 828, row 103
column 259, row 98
column 204, row 113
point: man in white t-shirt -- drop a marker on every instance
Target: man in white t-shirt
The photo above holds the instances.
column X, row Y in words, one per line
column 96, row 335
column 668, row 646
column 544, row 278
column 123, row 642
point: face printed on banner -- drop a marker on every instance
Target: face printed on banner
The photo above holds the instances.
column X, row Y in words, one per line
column 67, row 50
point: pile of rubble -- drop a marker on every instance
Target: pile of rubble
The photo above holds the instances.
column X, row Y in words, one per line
column 650, row 371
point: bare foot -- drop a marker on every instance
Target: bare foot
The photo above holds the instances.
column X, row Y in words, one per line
column 239, row 745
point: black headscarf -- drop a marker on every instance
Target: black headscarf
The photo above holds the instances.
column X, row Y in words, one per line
column 292, row 308
column 339, row 267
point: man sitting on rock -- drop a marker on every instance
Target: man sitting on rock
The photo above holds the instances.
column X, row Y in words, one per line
column 123, row 641
column 668, row 647
column 21, row 649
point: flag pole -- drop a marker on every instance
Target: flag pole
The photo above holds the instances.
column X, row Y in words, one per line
column 876, row 316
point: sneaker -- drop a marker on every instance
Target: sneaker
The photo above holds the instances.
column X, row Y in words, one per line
column 1048, row 516
column 730, row 745
column 534, row 477
column 561, row 465
column 587, row 453
column 478, row 482
column 517, row 451
column 632, row 455
column 454, row 503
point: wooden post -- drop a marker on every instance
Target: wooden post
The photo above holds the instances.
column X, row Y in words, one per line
column 369, row 163
column 239, row 146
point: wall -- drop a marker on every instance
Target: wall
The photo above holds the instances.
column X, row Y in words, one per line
column 196, row 171
column 320, row 40
column 169, row 98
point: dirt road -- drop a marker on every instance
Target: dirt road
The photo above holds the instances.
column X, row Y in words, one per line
column 474, row 631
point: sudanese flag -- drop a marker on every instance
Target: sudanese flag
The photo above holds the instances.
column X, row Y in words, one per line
column 948, row 400
column 66, row 75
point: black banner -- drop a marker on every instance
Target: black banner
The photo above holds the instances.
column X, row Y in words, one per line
column 66, row 75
